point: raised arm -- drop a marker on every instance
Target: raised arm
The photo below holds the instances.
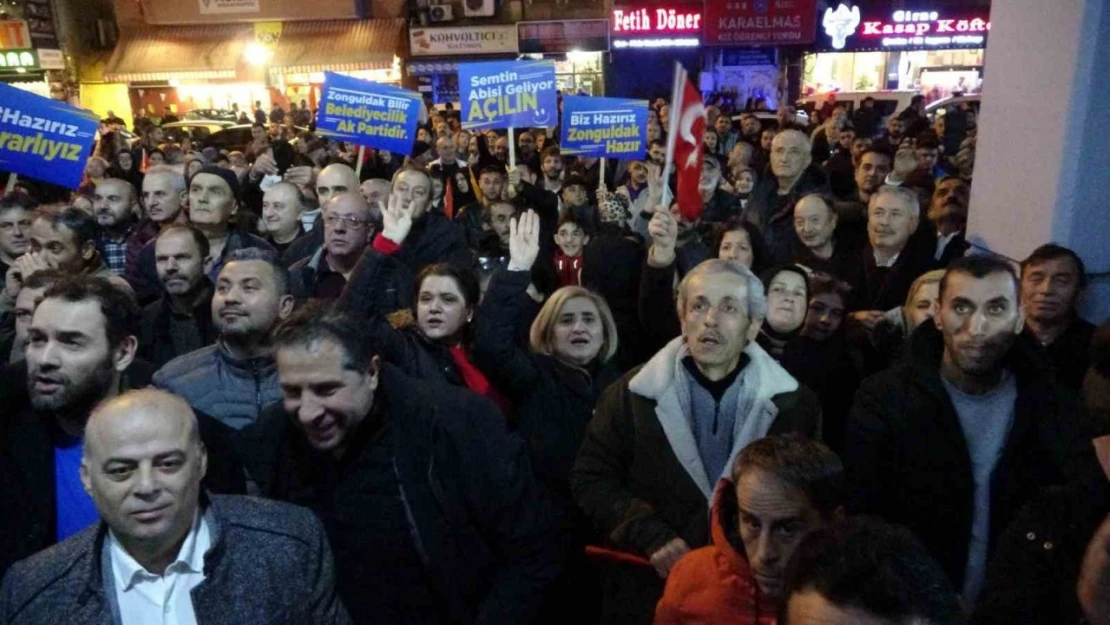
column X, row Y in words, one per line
column 496, row 349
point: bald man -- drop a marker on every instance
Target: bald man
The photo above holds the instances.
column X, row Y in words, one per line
column 164, row 551
column 348, row 228
column 333, row 180
column 116, row 207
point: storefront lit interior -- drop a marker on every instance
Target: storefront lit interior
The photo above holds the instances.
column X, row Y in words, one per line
column 935, row 73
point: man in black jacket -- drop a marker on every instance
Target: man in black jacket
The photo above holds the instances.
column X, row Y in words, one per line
column 425, row 237
column 665, row 434
column 772, row 203
column 181, row 321
column 954, row 440
column 1052, row 281
column 80, row 350
column 227, row 559
column 348, row 226
column 429, row 503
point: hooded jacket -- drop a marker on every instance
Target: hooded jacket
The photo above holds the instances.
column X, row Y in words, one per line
column 639, row 475
column 715, row 584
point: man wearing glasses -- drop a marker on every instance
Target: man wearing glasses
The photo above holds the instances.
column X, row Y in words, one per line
column 347, row 231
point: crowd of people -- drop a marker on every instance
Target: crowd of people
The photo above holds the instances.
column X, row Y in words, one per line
column 308, row 383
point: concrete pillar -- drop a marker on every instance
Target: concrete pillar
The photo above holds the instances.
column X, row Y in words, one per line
column 1042, row 169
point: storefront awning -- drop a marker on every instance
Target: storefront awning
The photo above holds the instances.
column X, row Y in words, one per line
column 338, row 45
column 178, row 53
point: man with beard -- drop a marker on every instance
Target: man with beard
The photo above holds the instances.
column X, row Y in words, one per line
column 526, row 149
column 347, row 231
column 429, row 503
column 213, row 202
column 116, row 207
column 1052, row 281
column 665, row 434
column 771, row 207
column 181, row 320
column 491, row 182
column 163, row 549
column 235, row 379
column 727, row 135
column 953, row 440
column 892, row 139
column 948, row 213
column 165, row 198
column 80, row 351
column 718, row 206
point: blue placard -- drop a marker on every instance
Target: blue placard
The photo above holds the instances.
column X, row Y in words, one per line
column 368, row 113
column 604, row 127
column 44, row 139
column 508, row 94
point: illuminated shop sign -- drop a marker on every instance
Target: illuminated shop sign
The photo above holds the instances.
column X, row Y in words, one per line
column 655, row 21
column 653, row 27
column 849, row 30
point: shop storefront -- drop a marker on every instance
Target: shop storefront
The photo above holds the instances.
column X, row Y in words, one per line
column 934, row 52
column 436, row 52
column 220, row 66
column 646, row 41
column 743, row 42
column 25, row 62
column 578, row 48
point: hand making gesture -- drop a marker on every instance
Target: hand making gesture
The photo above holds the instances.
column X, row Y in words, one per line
column 524, row 241
column 396, row 220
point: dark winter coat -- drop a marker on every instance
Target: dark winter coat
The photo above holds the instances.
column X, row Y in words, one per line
column 155, row 339
column 774, row 213
column 144, row 276
column 554, row 401
column 485, row 531
column 1033, row 574
column 907, row 458
column 269, row 563
column 371, row 294
column 611, row 265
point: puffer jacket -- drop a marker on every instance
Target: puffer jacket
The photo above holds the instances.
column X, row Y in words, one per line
column 715, row 584
column 233, row 391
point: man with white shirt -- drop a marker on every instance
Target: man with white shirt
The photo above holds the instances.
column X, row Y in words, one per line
column 164, row 552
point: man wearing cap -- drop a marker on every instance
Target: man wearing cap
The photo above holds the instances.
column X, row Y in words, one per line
column 213, row 200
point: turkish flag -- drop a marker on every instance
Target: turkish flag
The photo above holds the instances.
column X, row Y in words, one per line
column 688, row 149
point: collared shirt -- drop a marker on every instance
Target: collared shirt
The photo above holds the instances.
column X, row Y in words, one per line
column 942, row 242
column 115, row 253
column 888, row 264
column 146, row 598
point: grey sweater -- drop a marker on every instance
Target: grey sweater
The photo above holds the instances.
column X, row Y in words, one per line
column 269, row 563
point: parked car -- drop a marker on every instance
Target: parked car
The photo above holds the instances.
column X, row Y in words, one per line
column 196, row 130
column 769, row 120
column 233, row 137
column 223, row 115
column 943, row 105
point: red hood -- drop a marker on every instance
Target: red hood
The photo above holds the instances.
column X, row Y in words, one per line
column 723, row 517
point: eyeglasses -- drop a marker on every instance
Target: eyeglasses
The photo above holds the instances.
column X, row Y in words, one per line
column 351, row 222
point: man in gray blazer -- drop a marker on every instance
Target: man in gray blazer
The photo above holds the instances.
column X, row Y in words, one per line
column 166, row 552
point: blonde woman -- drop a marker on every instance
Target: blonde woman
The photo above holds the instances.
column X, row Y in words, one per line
column 554, row 386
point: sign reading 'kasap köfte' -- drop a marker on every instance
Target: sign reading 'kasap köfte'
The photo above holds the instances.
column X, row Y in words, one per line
column 44, row 139
column 604, row 127
column 368, row 113
column 508, row 94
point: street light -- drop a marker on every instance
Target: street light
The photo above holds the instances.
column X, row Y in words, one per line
column 257, row 54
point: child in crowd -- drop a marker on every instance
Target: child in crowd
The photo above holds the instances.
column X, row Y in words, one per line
column 571, row 238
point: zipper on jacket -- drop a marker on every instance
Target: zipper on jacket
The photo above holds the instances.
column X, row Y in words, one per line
column 418, row 542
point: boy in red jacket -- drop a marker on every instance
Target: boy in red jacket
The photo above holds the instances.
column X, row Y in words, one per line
column 782, row 488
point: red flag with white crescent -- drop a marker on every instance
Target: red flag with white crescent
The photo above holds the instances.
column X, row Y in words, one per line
column 688, row 150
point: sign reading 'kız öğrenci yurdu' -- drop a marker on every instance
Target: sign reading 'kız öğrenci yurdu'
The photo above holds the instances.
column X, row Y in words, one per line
column 368, row 113
column 44, row 139
column 508, row 94
column 604, row 127
column 760, row 22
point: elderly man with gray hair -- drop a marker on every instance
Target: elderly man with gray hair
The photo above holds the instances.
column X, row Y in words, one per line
column 893, row 257
column 666, row 433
